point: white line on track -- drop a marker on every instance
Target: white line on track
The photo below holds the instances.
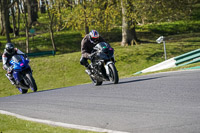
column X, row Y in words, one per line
column 73, row 126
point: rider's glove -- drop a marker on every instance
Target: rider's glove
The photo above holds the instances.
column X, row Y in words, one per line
column 90, row 56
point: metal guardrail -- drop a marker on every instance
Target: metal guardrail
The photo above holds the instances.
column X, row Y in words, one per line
column 190, row 56
column 181, row 60
column 44, row 53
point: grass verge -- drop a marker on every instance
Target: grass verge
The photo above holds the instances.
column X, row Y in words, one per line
column 65, row 70
column 10, row 124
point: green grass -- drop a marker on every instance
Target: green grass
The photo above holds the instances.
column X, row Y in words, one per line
column 10, row 124
column 65, row 70
column 69, row 41
column 66, row 42
column 172, row 28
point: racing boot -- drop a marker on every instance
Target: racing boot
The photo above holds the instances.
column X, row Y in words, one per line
column 88, row 70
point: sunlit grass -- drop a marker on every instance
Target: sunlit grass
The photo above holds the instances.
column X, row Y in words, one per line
column 10, row 124
column 65, row 70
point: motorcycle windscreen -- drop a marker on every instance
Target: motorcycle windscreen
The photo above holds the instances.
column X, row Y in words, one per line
column 17, row 58
column 19, row 62
column 101, row 45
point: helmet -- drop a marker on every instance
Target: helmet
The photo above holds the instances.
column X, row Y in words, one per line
column 9, row 48
column 94, row 36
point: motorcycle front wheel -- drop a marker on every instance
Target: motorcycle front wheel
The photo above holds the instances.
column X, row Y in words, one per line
column 31, row 82
column 23, row 91
column 113, row 76
column 96, row 82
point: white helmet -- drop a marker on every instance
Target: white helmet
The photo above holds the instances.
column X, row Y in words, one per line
column 94, row 35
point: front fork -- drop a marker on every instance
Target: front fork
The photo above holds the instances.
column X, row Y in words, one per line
column 107, row 68
column 10, row 78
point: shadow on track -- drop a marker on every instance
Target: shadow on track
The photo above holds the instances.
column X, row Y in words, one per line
column 137, row 80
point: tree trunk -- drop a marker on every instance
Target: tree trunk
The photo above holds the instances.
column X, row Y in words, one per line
column 60, row 17
column 124, row 25
column 18, row 18
column 86, row 24
column 51, row 18
column 128, row 27
column 14, row 22
column 27, row 35
column 1, row 23
column 43, row 7
column 52, row 33
column 32, row 11
column 5, row 19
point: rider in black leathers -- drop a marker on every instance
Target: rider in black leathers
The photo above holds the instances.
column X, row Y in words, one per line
column 87, row 45
column 9, row 51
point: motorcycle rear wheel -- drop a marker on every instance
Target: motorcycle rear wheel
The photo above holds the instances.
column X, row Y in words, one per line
column 113, row 74
column 31, row 82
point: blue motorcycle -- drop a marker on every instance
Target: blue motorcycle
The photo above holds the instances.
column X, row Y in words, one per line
column 22, row 74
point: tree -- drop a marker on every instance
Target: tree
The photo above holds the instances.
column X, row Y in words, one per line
column 5, row 20
column 15, row 11
column 93, row 14
column 32, row 7
column 51, row 13
column 27, row 29
column 43, row 7
column 128, row 24
column 153, row 11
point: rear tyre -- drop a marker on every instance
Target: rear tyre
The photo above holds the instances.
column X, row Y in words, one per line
column 31, row 82
column 113, row 73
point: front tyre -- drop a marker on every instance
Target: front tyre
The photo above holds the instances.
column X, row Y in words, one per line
column 96, row 82
column 31, row 82
column 113, row 76
column 23, row 91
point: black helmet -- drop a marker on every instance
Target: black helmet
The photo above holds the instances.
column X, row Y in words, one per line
column 10, row 48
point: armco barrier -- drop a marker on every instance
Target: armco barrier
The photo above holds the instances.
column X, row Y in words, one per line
column 184, row 59
column 39, row 54
column 42, row 53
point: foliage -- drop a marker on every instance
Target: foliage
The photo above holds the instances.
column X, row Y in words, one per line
column 154, row 11
column 102, row 16
column 105, row 16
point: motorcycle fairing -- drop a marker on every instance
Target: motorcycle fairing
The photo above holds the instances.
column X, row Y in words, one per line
column 19, row 63
column 17, row 76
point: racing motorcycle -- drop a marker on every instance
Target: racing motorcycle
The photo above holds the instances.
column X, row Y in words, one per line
column 22, row 74
column 102, row 64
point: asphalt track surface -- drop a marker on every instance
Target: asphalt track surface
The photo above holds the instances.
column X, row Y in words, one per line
column 156, row 103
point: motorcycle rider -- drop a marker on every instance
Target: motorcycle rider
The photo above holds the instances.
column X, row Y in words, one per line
column 87, row 44
column 9, row 51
